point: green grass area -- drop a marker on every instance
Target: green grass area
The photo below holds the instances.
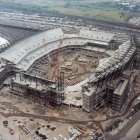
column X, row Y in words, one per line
column 104, row 14
column 103, row 11
column 137, row 106
column 115, row 124
column 138, row 136
column 90, row 10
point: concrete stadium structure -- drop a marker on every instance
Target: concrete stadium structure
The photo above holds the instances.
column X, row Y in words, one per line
column 105, row 86
column 3, row 41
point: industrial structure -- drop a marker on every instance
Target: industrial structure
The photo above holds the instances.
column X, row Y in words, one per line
column 27, row 61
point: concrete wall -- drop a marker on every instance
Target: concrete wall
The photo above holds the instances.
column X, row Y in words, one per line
column 119, row 96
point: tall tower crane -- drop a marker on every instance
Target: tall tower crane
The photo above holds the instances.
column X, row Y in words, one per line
column 56, row 57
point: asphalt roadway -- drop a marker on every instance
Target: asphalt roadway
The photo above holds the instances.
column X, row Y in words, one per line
column 130, row 123
column 46, row 26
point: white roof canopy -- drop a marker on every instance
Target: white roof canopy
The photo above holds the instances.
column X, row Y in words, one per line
column 43, row 43
column 3, row 41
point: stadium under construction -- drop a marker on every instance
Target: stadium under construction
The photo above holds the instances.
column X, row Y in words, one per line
column 44, row 68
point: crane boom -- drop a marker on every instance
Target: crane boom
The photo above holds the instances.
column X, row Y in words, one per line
column 57, row 55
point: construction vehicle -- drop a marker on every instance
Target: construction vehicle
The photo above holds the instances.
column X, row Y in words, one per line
column 31, row 119
column 52, row 108
column 10, row 130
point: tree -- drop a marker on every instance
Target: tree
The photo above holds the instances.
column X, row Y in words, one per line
column 123, row 14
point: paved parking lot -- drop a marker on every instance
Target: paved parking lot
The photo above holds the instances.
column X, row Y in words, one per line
column 10, row 33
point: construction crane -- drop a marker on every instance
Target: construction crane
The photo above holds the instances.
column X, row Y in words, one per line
column 57, row 54
column 58, row 51
column 56, row 57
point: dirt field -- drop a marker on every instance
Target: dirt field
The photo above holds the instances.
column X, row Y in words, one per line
column 77, row 68
column 18, row 111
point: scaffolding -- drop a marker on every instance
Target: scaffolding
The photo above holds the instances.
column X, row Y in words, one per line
column 107, row 76
column 44, row 92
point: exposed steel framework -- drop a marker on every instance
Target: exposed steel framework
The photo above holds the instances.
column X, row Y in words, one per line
column 55, row 59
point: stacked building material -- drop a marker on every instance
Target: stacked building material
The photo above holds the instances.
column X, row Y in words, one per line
column 74, row 80
column 68, row 63
column 83, row 60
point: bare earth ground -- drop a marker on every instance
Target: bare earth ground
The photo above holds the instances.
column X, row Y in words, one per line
column 84, row 69
column 19, row 109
